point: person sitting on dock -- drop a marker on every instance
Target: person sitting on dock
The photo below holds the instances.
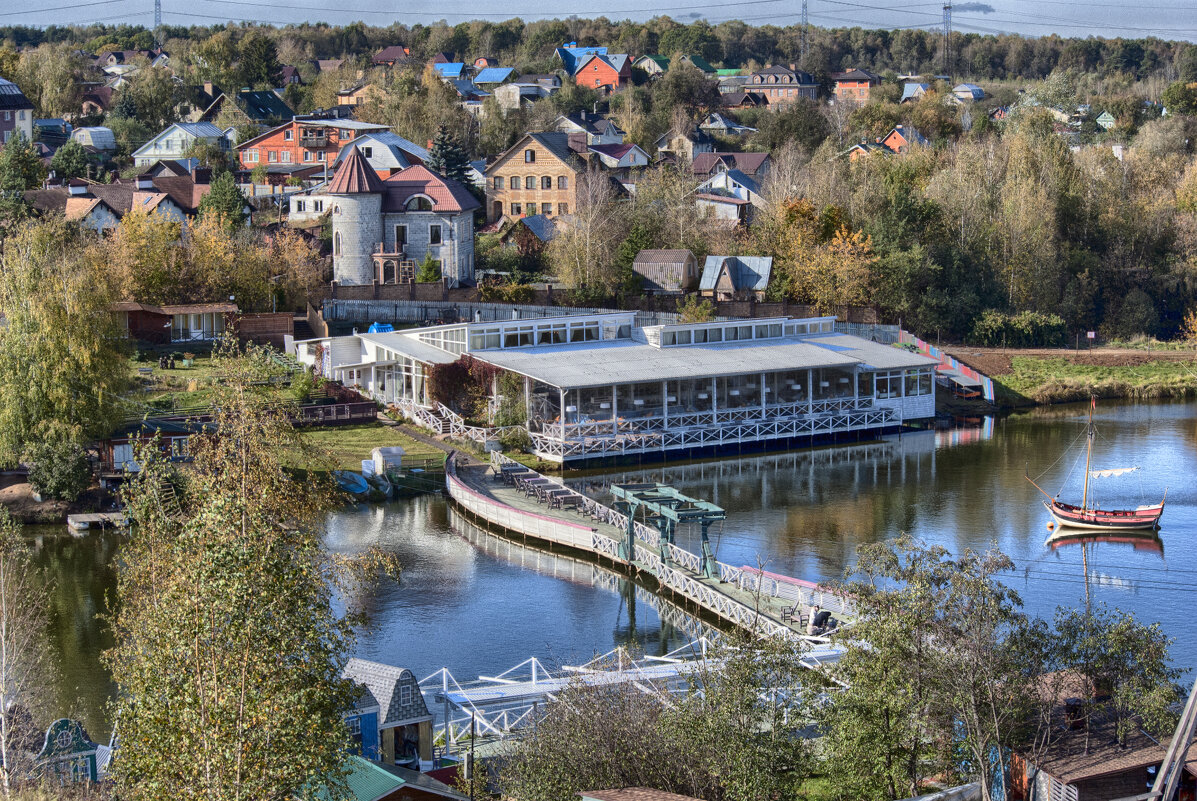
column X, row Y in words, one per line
column 810, row 621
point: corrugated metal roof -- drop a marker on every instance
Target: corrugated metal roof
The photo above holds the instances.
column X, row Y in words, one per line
column 493, row 75
column 872, row 354
column 597, row 364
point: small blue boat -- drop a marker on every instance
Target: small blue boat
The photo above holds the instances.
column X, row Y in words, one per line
column 352, row 482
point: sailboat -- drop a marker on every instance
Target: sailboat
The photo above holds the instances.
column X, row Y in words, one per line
column 1091, row 518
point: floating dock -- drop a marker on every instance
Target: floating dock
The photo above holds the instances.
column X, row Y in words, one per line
column 89, row 520
column 510, row 496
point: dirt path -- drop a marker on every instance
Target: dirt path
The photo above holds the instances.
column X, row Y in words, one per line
column 997, row 361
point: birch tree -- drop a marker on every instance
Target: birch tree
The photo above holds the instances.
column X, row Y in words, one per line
column 228, row 651
column 26, row 669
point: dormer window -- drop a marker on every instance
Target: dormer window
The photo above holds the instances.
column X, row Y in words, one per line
column 419, row 203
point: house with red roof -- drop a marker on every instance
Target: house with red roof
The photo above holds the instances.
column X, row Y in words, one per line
column 101, row 206
column 382, row 229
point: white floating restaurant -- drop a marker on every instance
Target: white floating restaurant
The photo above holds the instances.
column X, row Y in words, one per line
column 599, row 387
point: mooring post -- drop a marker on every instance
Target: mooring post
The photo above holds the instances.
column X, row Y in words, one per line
column 710, row 568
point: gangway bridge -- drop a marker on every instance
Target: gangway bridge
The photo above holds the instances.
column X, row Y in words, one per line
column 497, row 706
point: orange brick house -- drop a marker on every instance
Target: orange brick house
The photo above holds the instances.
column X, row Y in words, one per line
column 603, row 71
column 854, row 85
column 302, row 141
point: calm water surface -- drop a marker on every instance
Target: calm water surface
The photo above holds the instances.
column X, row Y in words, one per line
column 480, row 605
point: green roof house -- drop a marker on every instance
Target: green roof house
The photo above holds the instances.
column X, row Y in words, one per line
column 1106, row 121
column 370, row 781
column 68, row 755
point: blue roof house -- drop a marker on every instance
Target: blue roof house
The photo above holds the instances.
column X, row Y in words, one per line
column 913, row 91
column 732, row 277
column 572, row 56
column 493, row 75
column 453, row 70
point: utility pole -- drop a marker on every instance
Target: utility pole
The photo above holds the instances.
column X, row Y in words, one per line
column 802, row 49
column 157, row 21
column 947, row 38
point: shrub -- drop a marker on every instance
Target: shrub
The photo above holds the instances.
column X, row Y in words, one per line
column 302, row 384
column 1023, row 330
column 58, row 470
column 516, row 439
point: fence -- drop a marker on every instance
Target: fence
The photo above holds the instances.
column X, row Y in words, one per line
column 927, row 349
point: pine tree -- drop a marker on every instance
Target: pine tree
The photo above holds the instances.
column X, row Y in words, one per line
column 226, row 200
column 447, row 158
column 20, row 166
column 70, row 161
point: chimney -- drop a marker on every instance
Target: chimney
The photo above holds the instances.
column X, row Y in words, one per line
column 77, row 187
column 209, row 88
column 578, row 143
column 144, row 182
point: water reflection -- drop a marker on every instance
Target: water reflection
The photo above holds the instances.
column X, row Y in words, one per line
column 478, row 604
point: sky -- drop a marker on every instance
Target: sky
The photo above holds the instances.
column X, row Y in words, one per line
column 1167, row 19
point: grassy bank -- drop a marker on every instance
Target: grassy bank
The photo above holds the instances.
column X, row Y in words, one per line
column 1033, row 379
column 348, row 445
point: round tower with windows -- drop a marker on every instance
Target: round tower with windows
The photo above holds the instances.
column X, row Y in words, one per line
column 356, row 219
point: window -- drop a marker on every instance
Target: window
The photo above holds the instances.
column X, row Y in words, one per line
column 346, row 134
column 337, row 243
column 419, row 203
column 529, row 156
column 513, row 182
column 498, row 182
column 400, row 236
column 529, row 182
column 563, row 182
column 318, row 206
column 354, row 725
column 563, row 208
column 517, row 209
column 320, row 156
column 8, row 116
column 434, row 234
column 272, row 156
column 251, row 156
column 546, row 182
column 546, row 208
column 286, row 156
column 367, row 151
column 299, row 206
column 598, row 82
column 288, row 135
column 307, row 155
column 404, row 694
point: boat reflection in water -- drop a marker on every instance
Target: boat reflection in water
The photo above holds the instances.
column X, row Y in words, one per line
column 1144, row 541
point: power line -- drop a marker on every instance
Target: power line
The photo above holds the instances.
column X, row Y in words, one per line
column 63, row 8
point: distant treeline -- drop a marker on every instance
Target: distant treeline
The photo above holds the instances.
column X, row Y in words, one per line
column 732, row 44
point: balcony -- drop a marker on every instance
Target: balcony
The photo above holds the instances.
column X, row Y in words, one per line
column 315, row 140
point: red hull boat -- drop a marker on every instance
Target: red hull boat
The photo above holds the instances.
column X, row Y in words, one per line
column 1141, row 518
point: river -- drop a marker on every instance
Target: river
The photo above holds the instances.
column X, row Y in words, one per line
column 478, row 604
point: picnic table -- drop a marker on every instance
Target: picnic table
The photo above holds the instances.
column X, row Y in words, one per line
column 513, row 476
column 559, row 499
column 528, row 484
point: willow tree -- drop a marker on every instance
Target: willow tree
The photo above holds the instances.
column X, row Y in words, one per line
column 60, row 347
column 229, row 652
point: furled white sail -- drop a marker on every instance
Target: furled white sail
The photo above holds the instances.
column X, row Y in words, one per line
column 1114, row 471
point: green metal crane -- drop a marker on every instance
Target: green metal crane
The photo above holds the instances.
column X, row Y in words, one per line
column 664, row 508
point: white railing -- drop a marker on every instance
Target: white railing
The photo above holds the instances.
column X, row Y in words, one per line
column 421, row 415
column 827, row 422
column 683, row 571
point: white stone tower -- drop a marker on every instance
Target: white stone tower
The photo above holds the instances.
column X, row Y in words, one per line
column 356, row 219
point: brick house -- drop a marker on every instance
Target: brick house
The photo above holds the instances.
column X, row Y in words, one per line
column 604, row 71
column 16, row 113
column 783, row 85
column 855, row 85
column 539, row 174
column 302, row 141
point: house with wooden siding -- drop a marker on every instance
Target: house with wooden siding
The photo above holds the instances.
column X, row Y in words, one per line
column 666, row 271
column 855, row 85
column 735, row 277
column 901, row 138
column 539, row 174
column 176, row 139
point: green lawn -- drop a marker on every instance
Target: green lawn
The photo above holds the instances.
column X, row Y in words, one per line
column 1059, row 380
column 348, row 445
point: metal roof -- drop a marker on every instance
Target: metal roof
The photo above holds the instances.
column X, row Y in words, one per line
column 872, row 354
column 410, row 347
column 493, row 75
column 598, row 364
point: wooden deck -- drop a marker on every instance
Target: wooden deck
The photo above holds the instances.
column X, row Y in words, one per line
column 542, row 508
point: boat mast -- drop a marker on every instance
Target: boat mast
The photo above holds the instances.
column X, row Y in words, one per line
column 1088, row 456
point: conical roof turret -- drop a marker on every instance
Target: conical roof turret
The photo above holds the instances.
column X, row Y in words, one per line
column 355, row 176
